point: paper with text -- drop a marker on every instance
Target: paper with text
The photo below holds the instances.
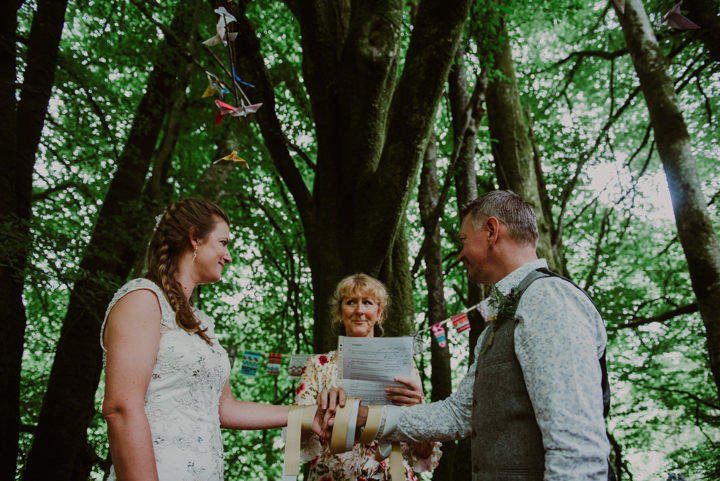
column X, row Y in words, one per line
column 367, row 365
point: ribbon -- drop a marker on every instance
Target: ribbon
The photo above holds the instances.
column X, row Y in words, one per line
column 344, row 433
column 345, row 423
column 300, row 419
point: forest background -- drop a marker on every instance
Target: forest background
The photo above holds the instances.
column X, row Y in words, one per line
column 379, row 119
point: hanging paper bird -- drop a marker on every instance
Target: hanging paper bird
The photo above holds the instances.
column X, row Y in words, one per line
column 222, row 36
column 233, row 157
column 674, row 18
column 227, row 109
column 215, row 86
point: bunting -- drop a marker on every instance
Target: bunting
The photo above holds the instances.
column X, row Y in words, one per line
column 274, row 361
column 250, row 363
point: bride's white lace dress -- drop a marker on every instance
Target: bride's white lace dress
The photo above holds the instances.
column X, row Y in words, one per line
column 183, row 396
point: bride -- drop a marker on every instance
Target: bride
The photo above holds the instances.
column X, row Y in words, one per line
column 167, row 392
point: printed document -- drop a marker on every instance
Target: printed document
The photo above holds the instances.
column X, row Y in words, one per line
column 367, row 365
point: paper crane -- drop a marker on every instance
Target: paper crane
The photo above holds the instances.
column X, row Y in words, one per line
column 215, row 85
column 227, row 109
column 674, row 18
column 233, row 157
column 222, row 36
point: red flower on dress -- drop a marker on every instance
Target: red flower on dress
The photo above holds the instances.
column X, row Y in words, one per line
column 361, row 478
column 300, row 388
column 326, row 478
column 323, row 360
column 382, row 465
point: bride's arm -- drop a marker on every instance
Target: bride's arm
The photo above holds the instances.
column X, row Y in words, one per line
column 236, row 414
column 131, row 337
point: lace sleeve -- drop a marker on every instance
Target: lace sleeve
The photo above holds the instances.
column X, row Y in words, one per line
column 134, row 285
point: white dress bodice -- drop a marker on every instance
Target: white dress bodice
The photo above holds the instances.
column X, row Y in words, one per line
column 182, row 400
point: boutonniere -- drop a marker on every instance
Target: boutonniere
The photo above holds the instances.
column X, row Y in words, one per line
column 504, row 306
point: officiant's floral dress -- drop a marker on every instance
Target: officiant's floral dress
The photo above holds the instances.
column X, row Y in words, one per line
column 321, row 372
column 182, row 400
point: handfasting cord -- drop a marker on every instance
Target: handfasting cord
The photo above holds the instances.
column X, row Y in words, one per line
column 344, row 429
column 300, row 419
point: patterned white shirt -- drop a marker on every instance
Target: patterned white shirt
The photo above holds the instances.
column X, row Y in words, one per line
column 558, row 342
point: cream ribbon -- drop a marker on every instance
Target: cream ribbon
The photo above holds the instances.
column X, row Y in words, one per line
column 344, row 433
column 300, row 419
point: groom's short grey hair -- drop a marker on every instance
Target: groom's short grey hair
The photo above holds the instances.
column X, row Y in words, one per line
column 510, row 209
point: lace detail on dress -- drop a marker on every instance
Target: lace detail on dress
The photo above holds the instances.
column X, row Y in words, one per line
column 182, row 400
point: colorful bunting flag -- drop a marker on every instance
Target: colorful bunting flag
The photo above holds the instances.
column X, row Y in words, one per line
column 439, row 332
column 274, row 361
column 461, row 322
column 297, row 365
column 250, row 363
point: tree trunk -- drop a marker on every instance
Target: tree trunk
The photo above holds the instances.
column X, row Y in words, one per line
column 511, row 147
column 695, row 227
column 467, row 113
column 69, row 401
column 705, row 14
column 371, row 133
column 441, row 376
column 20, row 127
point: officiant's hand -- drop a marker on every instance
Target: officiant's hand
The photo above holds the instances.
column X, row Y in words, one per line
column 328, row 401
column 409, row 396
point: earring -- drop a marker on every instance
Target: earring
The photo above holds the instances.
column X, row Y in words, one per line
column 194, row 257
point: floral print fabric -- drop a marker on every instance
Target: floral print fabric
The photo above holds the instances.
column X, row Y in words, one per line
column 321, row 372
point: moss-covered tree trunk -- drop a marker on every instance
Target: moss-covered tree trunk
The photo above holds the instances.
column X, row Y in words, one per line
column 511, row 146
column 371, row 128
column 59, row 447
column 695, row 227
column 20, row 128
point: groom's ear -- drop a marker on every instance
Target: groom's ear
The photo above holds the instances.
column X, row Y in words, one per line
column 493, row 228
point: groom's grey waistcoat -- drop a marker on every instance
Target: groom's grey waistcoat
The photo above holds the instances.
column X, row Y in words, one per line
column 506, row 440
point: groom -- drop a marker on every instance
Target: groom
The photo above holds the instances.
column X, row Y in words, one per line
column 532, row 402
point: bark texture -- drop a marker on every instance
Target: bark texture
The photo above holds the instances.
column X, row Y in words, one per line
column 372, row 130
column 511, row 146
column 695, row 229
column 59, row 447
column 21, row 125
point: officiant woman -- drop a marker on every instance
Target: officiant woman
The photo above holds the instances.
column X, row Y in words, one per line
column 358, row 306
column 166, row 375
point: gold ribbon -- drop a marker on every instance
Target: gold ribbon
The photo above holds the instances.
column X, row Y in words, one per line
column 300, row 419
column 372, row 424
column 338, row 440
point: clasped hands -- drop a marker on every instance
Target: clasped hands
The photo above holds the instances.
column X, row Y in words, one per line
column 329, row 400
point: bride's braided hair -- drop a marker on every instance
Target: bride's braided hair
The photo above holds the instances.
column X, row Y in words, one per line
column 170, row 240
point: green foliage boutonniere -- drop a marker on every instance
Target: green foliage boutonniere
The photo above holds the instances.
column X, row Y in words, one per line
column 504, row 307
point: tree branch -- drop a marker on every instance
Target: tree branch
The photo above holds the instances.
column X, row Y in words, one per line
column 665, row 316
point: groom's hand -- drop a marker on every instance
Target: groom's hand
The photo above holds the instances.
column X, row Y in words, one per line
column 328, row 401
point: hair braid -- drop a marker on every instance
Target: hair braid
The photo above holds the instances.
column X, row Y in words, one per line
column 170, row 240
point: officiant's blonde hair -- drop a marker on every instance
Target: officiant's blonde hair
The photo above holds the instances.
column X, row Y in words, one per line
column 362, row 284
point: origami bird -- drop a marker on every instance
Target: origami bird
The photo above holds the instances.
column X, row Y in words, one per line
column 215, row 86
column 227, row 109
column 674, row 18
column 233, row 157
column 222, row 36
